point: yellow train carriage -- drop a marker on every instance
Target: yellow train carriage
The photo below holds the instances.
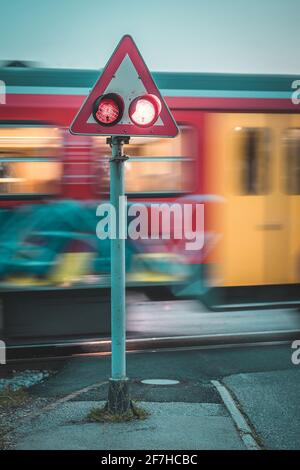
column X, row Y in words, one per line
column 254, row 163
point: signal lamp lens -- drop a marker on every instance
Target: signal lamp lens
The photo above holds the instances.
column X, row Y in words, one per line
column 144, row 110
column 108, row 109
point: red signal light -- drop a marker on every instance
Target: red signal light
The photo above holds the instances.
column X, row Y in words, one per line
column 144, row 110
column 108, row 109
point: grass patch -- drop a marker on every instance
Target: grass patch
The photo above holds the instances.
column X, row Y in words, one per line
column 3, row 438
column 10, row 398
column 102, row 415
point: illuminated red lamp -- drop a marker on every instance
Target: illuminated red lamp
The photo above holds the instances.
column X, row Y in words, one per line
column 108, row 109
column 144, row 110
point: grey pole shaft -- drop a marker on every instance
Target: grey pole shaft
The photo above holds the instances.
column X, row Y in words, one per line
column 118, row 314
column 118, row 393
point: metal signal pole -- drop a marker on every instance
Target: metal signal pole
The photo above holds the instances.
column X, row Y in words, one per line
column 118, row 394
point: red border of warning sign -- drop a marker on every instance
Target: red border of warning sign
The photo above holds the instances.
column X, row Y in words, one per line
column 80, row 126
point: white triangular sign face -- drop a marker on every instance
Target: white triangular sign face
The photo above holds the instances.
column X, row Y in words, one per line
column 127, row 75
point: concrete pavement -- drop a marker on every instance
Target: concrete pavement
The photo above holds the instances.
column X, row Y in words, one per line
column 189, row 317
column 178, row 426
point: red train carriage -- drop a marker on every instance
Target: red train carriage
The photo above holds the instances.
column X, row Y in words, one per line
column 238, row 152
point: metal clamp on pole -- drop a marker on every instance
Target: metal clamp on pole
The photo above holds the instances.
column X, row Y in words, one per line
column 118, row 395
column 116, row 143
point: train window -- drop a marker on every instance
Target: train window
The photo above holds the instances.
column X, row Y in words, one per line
column 253, row 160
column 292, row 161
column 29, row 160
column 156, row 165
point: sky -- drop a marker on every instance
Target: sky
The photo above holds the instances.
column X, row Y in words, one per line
column 251, row 36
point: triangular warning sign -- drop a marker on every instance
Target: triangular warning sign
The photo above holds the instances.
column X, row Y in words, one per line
column 126, row 75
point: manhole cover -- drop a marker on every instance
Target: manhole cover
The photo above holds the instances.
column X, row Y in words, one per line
column 160, row 382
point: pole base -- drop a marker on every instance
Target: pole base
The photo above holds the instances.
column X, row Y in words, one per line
column 118, row 402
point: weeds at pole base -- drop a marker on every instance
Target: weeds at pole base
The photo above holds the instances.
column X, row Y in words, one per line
column 102, row 415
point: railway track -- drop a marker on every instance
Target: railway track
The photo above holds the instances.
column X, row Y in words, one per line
column 61, row 349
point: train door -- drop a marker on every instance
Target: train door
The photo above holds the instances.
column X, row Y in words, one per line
column 291, row 188
column 247, row 161
column 277, row 217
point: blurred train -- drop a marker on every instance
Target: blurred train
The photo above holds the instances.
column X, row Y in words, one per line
column 238, row 152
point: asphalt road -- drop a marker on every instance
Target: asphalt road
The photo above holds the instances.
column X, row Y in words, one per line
column 271, row 401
